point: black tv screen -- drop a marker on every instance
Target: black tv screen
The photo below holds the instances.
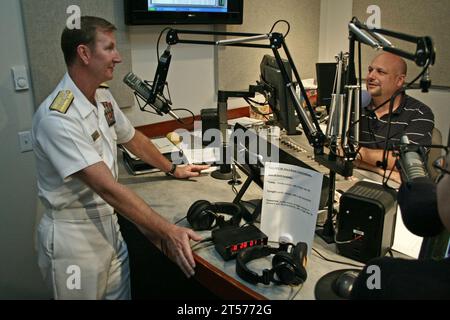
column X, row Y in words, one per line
column 146, row 12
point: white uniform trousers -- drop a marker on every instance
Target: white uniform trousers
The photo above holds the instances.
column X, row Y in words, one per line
column 82, row 255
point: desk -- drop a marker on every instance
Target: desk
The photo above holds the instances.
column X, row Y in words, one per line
column 172, row 199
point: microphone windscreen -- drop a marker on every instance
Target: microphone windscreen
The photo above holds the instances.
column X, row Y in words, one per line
column 418, row 203
column 174, row 138
column 366, row 98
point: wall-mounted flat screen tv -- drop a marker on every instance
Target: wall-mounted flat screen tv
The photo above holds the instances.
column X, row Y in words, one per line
column 145, row 12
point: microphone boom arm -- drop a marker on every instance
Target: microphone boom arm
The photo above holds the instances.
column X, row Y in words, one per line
column 425, row 50
column 309, row 123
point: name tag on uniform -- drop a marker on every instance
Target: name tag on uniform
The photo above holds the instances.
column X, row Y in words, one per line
column 95, row 135
column 109, row 113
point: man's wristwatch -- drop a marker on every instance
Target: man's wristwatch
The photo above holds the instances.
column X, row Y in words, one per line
column 172, row 170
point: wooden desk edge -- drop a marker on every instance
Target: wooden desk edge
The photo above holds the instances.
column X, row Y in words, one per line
column 222, row 284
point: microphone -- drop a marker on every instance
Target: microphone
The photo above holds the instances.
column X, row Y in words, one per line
column 144, row 91
column 410, row 161
column 417, row 196
column 425, row 81
column 363, row 37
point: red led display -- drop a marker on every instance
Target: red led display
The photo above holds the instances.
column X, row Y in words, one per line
column 237, row 247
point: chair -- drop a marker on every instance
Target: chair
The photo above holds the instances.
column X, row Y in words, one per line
column 434, row 153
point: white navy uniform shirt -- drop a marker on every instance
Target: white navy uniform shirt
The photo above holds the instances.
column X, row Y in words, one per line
column 65, row 143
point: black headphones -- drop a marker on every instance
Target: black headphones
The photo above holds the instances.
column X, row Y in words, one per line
column 204, row 215
column 287, row 264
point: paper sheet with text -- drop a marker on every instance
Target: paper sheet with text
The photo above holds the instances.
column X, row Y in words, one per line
column 290, row 202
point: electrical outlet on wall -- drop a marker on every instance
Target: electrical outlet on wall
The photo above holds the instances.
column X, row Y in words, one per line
column 25, row 141
column 20, row 78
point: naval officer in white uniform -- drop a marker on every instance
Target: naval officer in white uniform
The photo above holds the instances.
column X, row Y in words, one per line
column 75, row 132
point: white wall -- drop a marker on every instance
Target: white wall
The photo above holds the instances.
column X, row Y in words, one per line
column 334, row 18
column 191, row 72
column 19, row 274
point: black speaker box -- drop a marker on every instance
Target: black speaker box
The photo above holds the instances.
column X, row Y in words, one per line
column 366, row 221
column 210, row 120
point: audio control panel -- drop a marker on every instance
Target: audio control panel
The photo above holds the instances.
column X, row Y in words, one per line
column 291, row 144
column 296, row 147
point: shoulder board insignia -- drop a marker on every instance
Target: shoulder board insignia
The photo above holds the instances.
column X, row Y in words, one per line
column 104, row 86
column 63, row 101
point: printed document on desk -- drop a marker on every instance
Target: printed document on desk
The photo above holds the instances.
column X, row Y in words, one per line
column 290, row 203
column 245, row 121
column 205, row 155
column 164, row 145
column 196, row 153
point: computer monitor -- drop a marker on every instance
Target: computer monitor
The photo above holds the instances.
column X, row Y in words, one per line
column 280, row 100
column 325, row 72
column 149, row 12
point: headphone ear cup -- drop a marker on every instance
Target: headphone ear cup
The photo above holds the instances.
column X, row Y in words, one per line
column 236, row 215
column 231, row 209
column 284, row 267
column 199, row 215
column 299, row 254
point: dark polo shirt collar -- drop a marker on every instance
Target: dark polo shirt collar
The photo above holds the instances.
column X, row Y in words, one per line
column 397, row 111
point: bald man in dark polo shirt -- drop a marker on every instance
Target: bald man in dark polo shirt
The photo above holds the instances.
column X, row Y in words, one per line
column 386, row 75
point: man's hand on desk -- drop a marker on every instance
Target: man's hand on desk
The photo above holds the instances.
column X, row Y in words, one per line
column 394, row 175
column 177, row 248
column 188, row 171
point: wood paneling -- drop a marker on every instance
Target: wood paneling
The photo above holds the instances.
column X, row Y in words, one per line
column 162, row 128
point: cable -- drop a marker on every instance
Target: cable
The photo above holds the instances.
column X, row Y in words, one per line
column 346, row 242
column 427, row 65
column 287, row 23
column 256, row 110
column 200, row 242
column 157, row 42
column 249, row 203
column 385, row 159
column 185, row 217
column 298, row 290
column 258, row 103
column 385, row 183
column 233, row 187
column 205, row 247
column 335, row 261
column 189, row 111
column 327, row 259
